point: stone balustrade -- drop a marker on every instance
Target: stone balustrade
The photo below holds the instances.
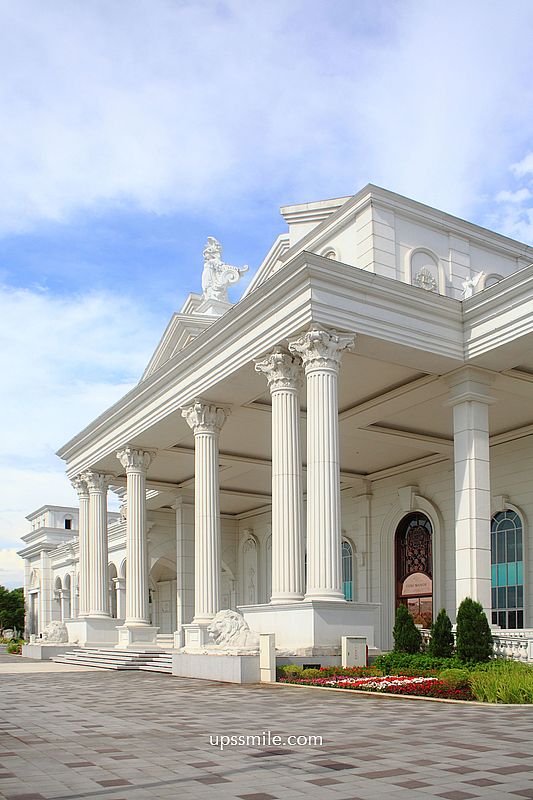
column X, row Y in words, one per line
column 515, row 645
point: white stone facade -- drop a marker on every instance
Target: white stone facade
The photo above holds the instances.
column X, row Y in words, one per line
column 340, row 440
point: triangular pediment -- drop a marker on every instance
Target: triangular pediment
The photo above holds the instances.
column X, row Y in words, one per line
column 302, row 220
column 181, row 331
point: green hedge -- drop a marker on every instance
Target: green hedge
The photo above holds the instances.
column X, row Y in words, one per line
column 414, row 664
column 15, row 646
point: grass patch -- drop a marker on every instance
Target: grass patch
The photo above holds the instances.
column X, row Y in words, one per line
column 503, row 682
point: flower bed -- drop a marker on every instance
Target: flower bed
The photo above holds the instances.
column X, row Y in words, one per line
column 388, row 684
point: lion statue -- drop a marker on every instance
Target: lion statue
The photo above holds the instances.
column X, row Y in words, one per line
column 229, row 631
column 55, row 633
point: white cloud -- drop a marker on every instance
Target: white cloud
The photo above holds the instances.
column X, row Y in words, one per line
column 512, row 213
column 168, row 105
column 523, row 167
column 11, row 569
column 519, row 196
column 64, row 360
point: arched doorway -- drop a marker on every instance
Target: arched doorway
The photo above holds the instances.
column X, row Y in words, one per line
column 56, row 601
column 163, row 590
column 413, row 547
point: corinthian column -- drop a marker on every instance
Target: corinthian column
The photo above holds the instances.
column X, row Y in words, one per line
column 206, row 421
column 97, row 484
column 283, row 373
column 80, row 484
column 320, row 351
column 136, row 462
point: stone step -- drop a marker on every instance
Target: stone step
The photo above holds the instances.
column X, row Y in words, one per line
column 156, row 668
column 110, row 658
column 79, row 662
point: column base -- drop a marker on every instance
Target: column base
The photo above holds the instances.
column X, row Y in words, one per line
column 326, row 597
column 285, row 598
column 196, row 636
column 136, row 636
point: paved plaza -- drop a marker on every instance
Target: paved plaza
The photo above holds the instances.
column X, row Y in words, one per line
column 118, row 736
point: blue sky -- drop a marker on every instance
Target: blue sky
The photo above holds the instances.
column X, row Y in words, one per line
column 134, row 129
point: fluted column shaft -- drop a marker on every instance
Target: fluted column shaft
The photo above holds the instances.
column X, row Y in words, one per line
column 206, row 421
column 97, row 484
column 320, row 351
column 136, row 462
column 83, row 543
column 283, row 373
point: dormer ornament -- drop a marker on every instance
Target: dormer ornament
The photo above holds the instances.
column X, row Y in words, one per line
column 425, row 280
column 217, row 275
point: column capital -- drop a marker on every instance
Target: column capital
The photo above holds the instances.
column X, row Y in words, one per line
column 133, row 459
column 97, row 481
column 204, row 417
column 321, row 349
column 79, row 483
column 281, row 369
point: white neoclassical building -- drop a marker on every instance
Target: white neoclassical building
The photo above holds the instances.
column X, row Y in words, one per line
column 355, row 432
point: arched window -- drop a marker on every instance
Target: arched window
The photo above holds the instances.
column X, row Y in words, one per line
column 347, row 569
column 507, row 564
column 414, row 567
column 68, row 523
column 492, row 280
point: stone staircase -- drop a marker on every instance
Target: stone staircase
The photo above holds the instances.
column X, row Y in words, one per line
column 109, row 658
column 161, row 663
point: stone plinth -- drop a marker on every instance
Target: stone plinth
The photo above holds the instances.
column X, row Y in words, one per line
column 88, row 631
column 217, row 667
column 136, row 635
column 44, row 652
column 196, row 636
column 314, row 627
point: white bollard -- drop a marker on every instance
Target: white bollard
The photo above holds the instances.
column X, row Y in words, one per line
column 353, row 651
column 267, row 657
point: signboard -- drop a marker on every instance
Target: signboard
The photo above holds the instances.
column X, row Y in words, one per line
column 417, row 583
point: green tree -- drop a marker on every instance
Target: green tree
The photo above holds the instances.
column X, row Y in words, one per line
column 474, row 639
column 12, row 608
column 407, row 637
column 441, row 636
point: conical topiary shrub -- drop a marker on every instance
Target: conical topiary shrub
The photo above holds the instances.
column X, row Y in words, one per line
column 474, row 639
column 407, row 637
column 441, row 636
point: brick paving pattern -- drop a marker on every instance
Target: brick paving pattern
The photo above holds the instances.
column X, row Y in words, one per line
column 134, row 736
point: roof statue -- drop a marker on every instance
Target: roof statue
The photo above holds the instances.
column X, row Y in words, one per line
column 470, row 285
column 217, row 276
